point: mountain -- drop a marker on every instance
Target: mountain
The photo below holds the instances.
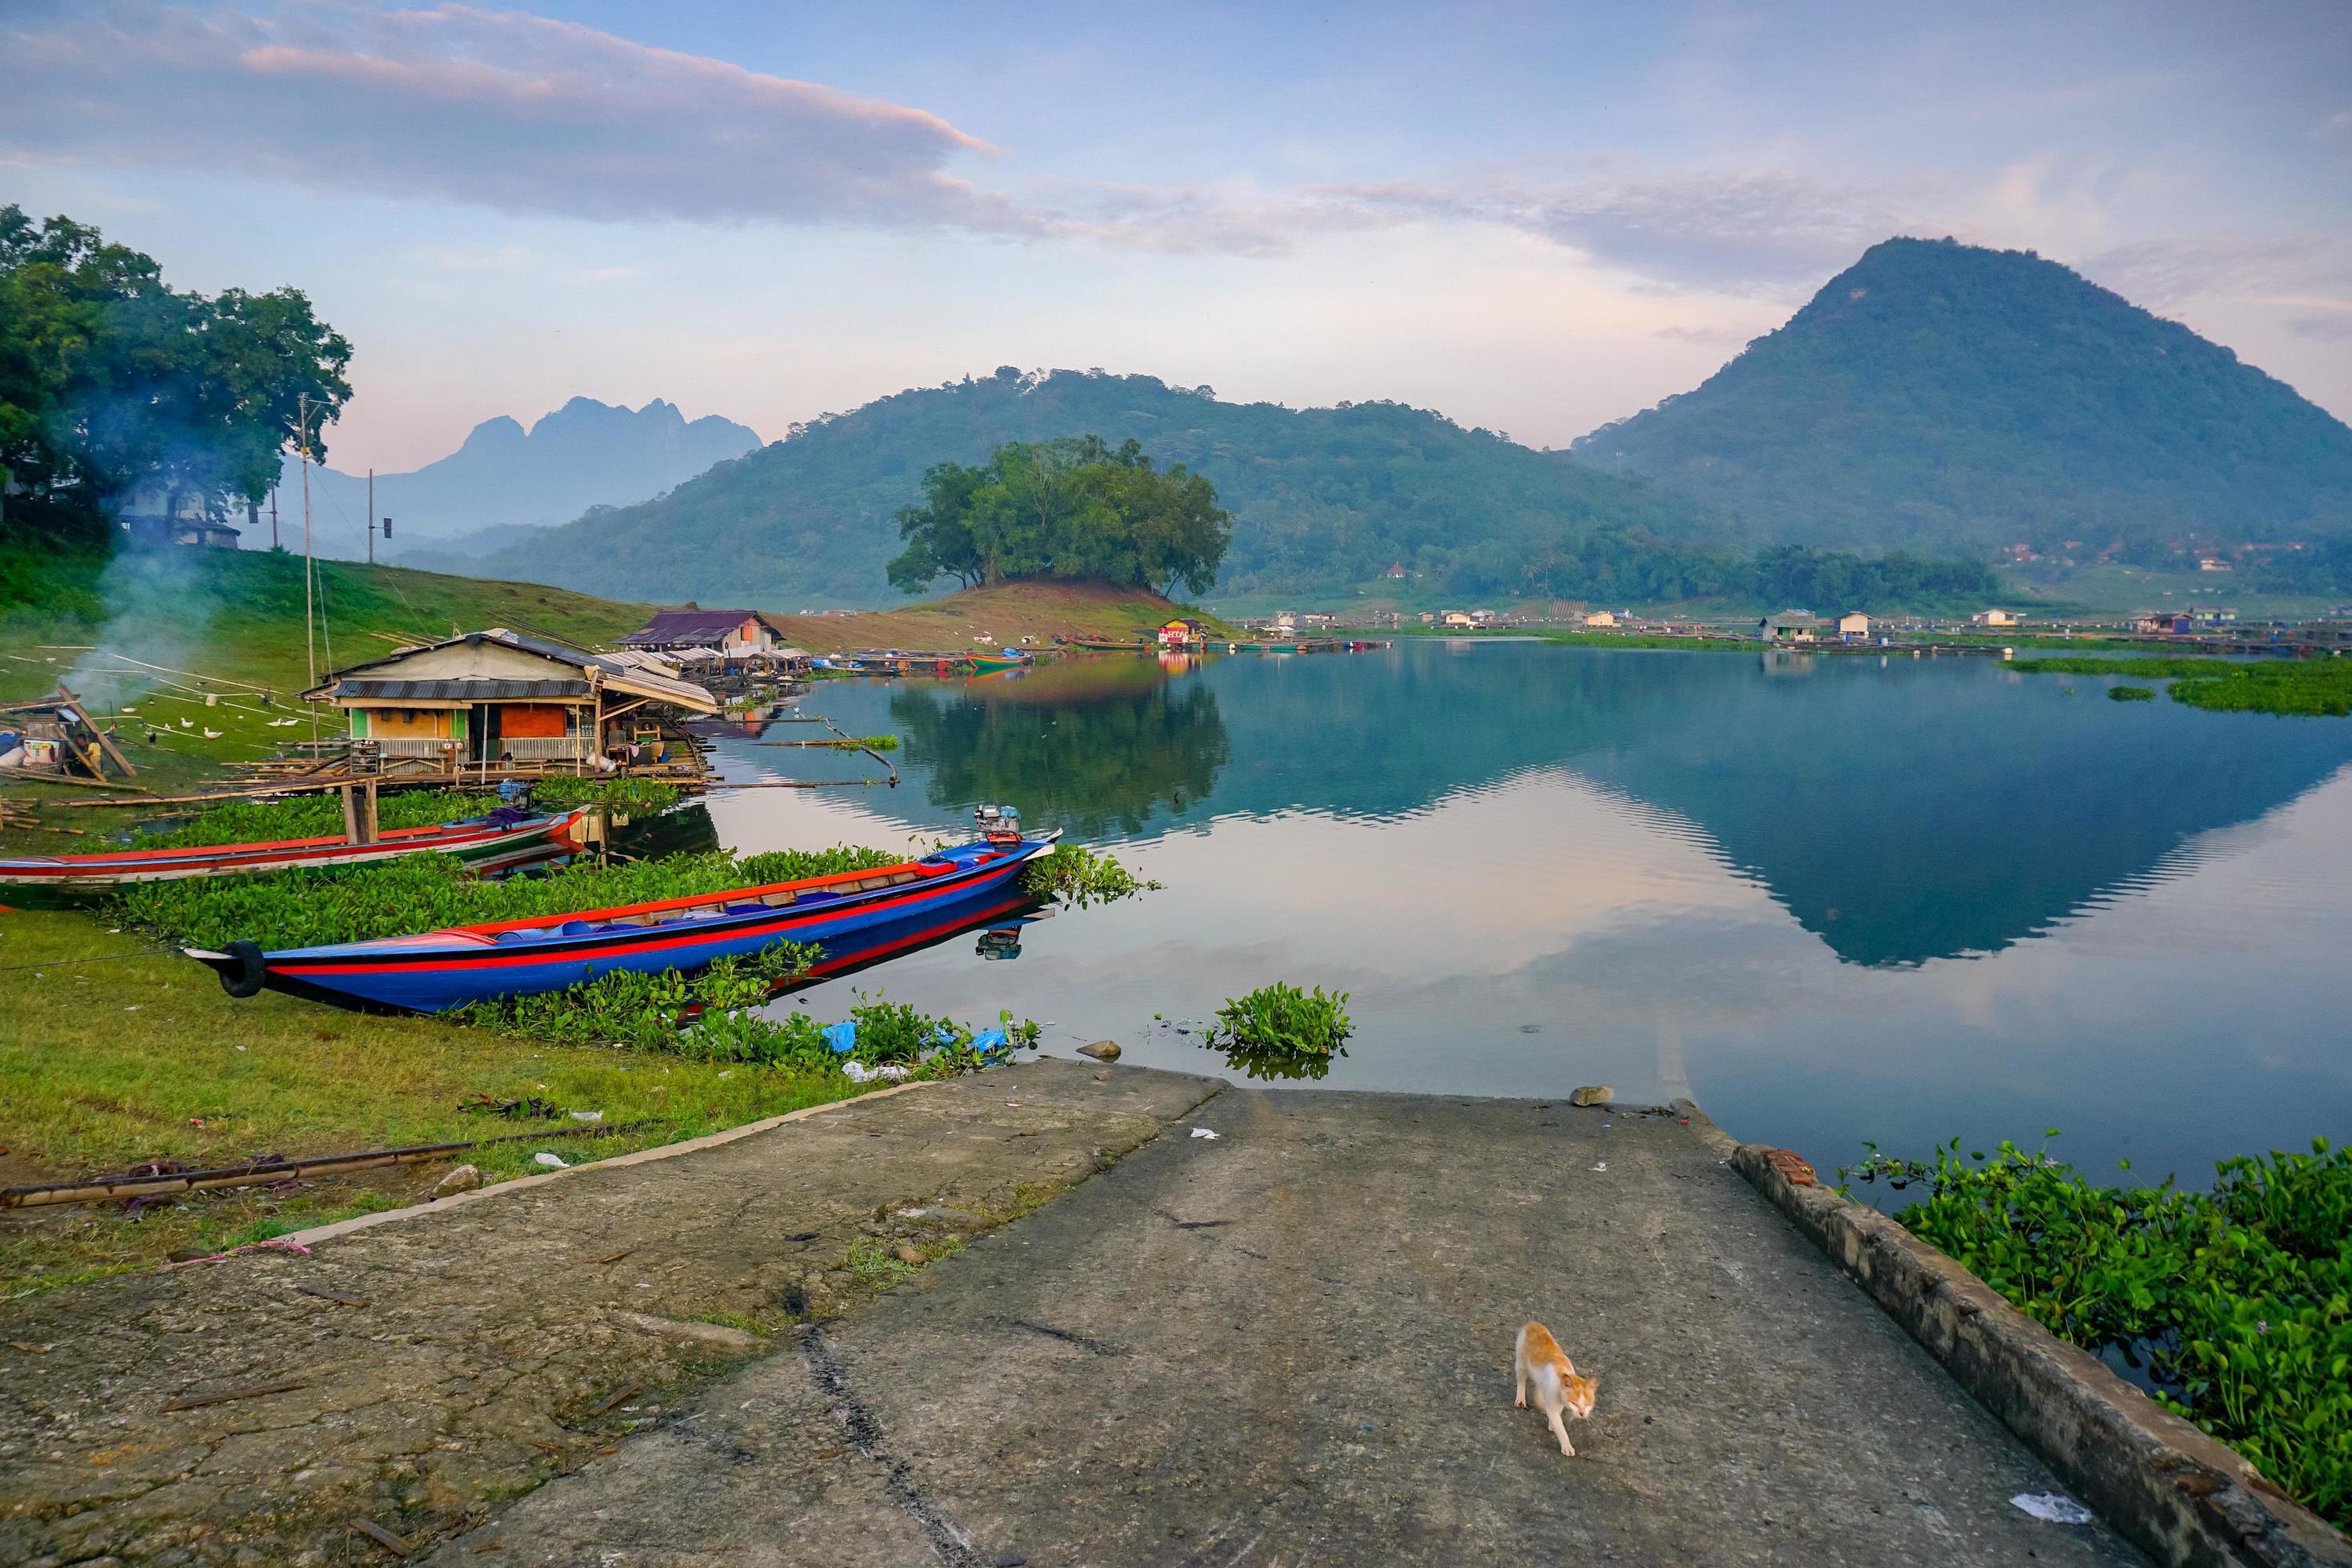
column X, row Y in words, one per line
column 1321, row 496
column 585, row 453
column 1935, row 393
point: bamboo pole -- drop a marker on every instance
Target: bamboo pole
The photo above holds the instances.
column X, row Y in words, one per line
column 102, row 1188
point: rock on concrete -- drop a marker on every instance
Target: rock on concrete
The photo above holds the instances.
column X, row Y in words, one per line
column 1292, row 1343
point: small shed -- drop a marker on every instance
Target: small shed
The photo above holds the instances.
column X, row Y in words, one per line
column 1180, row 633
column 1789, row 627
column 500, row 697
column 733, row 634
column 1993, row 619
column 1602, row 618
column 1854, row 626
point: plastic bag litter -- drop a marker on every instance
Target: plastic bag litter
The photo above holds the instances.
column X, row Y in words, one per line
column 552, row 1161
column 2052, row 1507
column 587, row 1116
column 1204, row 1133
column 858, row 1072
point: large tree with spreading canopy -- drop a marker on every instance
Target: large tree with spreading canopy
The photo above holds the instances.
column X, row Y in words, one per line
column 111, row 378
column 1072, row 509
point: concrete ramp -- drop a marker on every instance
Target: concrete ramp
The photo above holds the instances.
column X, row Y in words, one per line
column 1291, row 1343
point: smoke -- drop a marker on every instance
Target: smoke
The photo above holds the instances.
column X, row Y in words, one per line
column 158, row 608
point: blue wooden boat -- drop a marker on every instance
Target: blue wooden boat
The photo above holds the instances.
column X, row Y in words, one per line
column 437, row 970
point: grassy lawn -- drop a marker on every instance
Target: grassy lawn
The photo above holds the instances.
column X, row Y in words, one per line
column 1007, row 611
column 104, row 1064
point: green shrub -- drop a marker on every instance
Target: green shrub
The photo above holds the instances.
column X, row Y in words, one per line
column 2131, row 693
column 2238, row 1301
column 1280, row 1031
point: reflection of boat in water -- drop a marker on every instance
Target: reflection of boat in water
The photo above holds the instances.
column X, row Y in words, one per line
column 999, row 925
column 431, row 970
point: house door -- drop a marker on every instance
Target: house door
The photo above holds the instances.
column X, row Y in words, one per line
column 481, row 743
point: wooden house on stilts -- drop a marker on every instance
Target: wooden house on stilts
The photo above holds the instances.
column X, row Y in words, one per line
column 500, row 701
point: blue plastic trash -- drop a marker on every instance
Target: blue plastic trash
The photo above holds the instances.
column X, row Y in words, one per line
column 841, row 1037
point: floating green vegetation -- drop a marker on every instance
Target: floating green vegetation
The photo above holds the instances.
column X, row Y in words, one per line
column 426, row 892
column 1074, row 873
column 708, row 1017
column 2131, row 693
column 312, row 816
column 648, row 1012
column 2238, row 1301
column 647, row 797
column 1280, row 1031
column 2311, row 687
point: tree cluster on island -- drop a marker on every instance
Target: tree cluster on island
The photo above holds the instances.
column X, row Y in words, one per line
column 1072, row 509
column 110, row 380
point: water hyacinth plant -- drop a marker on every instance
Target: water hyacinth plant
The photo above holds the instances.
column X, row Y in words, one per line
column 307, row 908
column 1076, row 874
column 1280, row 1031
column 641, row 796
column 311, row 816
column 2237, row 1301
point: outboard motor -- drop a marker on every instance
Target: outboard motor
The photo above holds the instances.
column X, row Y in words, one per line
column 999, row 825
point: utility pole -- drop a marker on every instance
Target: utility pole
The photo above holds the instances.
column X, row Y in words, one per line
column 273, row 516
column 371, row 517
column 309, row 635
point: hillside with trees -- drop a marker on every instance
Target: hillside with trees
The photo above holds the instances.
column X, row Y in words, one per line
column 1321, row 497
column 1936, row 395
column 114, row 385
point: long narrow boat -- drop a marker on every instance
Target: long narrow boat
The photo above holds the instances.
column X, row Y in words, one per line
column 1105, row 645
column 992, row 663
column 501, row 833
column 437, row 970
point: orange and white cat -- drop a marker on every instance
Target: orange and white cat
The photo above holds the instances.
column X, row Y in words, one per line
column 1558, row 1387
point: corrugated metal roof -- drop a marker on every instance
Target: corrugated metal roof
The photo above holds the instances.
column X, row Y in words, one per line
column 695, row 626
column 458, row 690
column 629, row 672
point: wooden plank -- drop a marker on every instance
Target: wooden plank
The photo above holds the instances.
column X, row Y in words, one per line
column 34, row 776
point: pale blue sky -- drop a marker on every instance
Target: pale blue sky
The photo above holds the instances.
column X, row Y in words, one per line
column 1532, row 218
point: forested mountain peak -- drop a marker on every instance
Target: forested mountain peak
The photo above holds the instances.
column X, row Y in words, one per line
column 1321, row 496
column 1936, row 393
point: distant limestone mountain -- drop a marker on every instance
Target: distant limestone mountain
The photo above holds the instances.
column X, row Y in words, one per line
column 585, row 453
column 1936, row 393
column 1323, row 498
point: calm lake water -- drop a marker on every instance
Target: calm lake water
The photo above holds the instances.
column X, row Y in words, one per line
column 1830, row 898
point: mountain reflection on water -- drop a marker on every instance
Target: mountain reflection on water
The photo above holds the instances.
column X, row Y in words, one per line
column 1901, row 811
column 1835, row 897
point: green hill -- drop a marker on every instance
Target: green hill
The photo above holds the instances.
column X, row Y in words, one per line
column 1936, row 394
column 1322, row 497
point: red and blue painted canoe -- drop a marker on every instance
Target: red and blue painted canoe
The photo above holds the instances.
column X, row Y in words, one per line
column 502, row 832
column 437, row 970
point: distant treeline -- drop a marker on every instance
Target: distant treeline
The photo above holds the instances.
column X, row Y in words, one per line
column 1633, row 567
column 2324, row 567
